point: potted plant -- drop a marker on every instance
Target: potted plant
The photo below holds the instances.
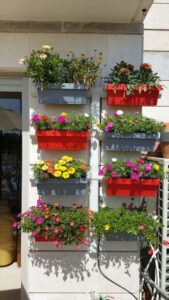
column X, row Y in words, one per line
column 121, row 224
column 62, row 81
column 64, row 132
column 127, row 86
column 130, row 132
column 65, row 176
column 164, row 140
column 54, row 223
column 131, row 177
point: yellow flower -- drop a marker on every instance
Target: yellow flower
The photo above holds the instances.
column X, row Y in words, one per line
column 63, row 168
column 56, row 167
column 40, row 162
column 65, row 175
column 69, row 158
column 65, row 157
column 106, row 227
column 57, row 174
column 44, row 168
column 46, row 47
column 167, row 170
column 71, row 170
column 64, row 114
column 61, row 162
column 97, row 123
column 156, row 167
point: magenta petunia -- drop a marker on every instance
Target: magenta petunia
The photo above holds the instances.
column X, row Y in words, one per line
column 147, row 167
column 142, row 174
column 109, row 167
column 128, row 164
column 28, row 213
column 36, row 118
column 107, row 129
column 61, row 119
column 34, row 233
column 114, row 175
column 14, row 225
column 115, row 114
column 135, row 168
column 39, row 202
column 134, row 176
column 39, row 220
column 33, row 218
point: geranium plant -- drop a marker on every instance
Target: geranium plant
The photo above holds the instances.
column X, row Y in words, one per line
column 130, row 123
column 45, row 66
column 64, row 226
column 66, row 122
column 116, row 220
column 64, row 168
column 144, row 78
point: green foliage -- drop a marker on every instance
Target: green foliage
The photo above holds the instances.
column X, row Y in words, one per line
column 124, row 73
column 115, row 220
column 72, row 122
column 131, row 123
column 45, row 66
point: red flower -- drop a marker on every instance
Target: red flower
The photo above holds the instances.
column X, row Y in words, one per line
column 140, row 161
column 82, row 228
column 44, row 117
column 150, row 251
column 165, row 243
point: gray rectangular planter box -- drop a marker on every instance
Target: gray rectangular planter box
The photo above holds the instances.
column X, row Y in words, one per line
column 123, row 236
column 66, row 93
column 54, row 186
column 130, row 142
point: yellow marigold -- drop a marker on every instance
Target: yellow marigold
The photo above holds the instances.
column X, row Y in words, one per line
column 57, row 174
column 64, row 114
column 61, row 162
column 63, row 168
column 69, row 158
column 106, row 227
column 44, row 167
column 156, row 167
column 56, row 167
column 65, row 175
column 65, row 157
column 71, row 170
column 97, row 123
column 40, row 162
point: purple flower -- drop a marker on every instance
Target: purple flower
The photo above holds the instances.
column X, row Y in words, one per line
column 115, row 114
column 28, row 213
column 34, row 233
column 108, row 126
column 147, row 167
column 39, row 221
column 61, row 119
column 109, row 167
column 135, row 168
column 107, row 129
column 134, row 176
column 39, row 202
column 113, row 174
column 53, row 219
column 101, row 171
column 128, row 164
column 14, row 225
column 36, row 118
column 33, row 218
column 19, row 215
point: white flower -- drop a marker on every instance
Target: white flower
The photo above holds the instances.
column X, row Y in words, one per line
column 114, row 159
column 119, row 112
column 46, row 47
column 103, row 205
column 43, row 56
column 86, row 115
column 104, row 114
column 22, row 61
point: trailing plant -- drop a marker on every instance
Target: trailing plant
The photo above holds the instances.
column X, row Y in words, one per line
column 72, row 122
column 133, row 169
column 130, row 123
column 64, row 168
column 45, row 66
column 115, row 220
column 65, row 226
column 144, row 79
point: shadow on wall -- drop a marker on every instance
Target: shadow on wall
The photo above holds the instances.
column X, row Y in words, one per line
column 80, row 264
column 10, row 295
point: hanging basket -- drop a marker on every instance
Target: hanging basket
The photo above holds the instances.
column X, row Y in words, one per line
column 118, row 97
column 62, row 140
column 52, row 186
column 66, row 93
column 130, row 142
column 128, row 187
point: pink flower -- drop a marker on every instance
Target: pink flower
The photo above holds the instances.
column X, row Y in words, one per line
column 77, row 246
column 142, row 174
column 39, row 221
column 61, row 119
column 108, row 126
column 14, row 225
column 36, row 118
column 56, row 230
column 28, row 213
column 113, row 174
column 128, row 164
column 39, row 202
column 53, row 219
column 141, row 227
column 165, row 242
column 85, row 242
column 72, row 223
column 34, row 233
column 46, row 227
column 150, row 251
column 19, row 215
column 109, row 167
column 57, row 244
column 101, row 171
column 115, row 114
column 33, row 218
column 147, row 167
column 134, row 176
column 135, row 168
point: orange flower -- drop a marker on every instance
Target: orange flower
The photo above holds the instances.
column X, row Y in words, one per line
column 83, row 167
column 89, row 217
column 145, row 67
column 57, row 219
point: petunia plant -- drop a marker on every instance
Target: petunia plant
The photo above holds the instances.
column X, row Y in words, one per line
column 133, row 169
column 70, row 122
column 64, row 226
column 64, row 168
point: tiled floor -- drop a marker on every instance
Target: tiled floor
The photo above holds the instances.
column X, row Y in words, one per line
column 10, row 283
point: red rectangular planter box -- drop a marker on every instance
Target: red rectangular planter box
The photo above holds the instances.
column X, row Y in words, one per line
column 119, row 98
column 128, row 187
column 62, row 140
